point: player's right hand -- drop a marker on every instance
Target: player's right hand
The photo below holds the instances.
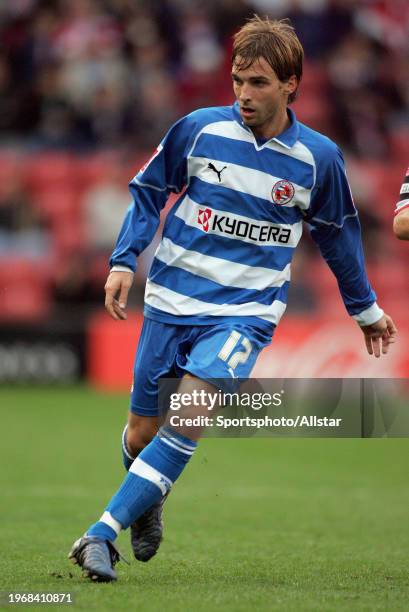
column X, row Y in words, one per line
column 116, row 294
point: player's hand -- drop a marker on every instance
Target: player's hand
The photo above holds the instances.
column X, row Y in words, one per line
column 116, row 293
column 380, row 335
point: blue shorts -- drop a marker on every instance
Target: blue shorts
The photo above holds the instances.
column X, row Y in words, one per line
column 210, row 352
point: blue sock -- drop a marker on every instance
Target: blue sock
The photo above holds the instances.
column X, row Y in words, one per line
column 127, row 458
column 102, row 530
column 150, row 477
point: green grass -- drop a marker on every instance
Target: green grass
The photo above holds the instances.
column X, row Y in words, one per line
column 267, row 524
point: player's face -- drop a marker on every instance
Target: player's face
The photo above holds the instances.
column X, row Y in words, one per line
column 262, row 97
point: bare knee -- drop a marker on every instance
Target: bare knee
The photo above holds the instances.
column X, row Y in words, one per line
column 141, row 430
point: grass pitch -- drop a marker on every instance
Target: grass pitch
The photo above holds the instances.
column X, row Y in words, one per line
column 267, row 524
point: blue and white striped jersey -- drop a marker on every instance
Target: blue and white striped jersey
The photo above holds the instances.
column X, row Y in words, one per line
column 228, row 241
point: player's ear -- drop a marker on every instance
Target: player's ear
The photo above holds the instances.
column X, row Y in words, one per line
column 290, row 85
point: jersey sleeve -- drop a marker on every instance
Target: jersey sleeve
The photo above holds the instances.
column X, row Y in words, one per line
column 335, row 228
column 403, row 202
column 163, row 173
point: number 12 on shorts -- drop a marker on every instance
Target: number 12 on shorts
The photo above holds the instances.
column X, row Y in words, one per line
column 229, row 353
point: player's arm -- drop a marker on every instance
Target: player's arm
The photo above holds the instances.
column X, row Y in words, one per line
column 401, row 220
column 401, row 225
column 165, row 172
column 335, row 228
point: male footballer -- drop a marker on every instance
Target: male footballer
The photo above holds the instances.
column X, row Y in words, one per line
column 401, row 219
column 248, row 176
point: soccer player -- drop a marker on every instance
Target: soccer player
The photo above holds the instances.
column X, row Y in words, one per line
column 401, row 220
column 248, row 175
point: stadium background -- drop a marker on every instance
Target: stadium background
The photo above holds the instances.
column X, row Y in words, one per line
column 87, row 90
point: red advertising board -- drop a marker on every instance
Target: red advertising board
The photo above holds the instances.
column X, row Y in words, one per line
column 302, row 347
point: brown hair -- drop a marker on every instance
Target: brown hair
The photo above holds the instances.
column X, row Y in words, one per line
column 275, row 41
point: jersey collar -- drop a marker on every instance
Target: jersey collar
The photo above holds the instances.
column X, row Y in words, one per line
column 287, row 139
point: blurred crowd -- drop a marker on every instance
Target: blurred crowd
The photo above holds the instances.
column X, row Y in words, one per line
column 85, row 74
column 89, row 77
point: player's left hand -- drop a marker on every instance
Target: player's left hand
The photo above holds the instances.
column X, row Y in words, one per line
column 380, row 335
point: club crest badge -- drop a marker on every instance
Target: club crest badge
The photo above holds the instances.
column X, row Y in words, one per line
column 282, row 192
